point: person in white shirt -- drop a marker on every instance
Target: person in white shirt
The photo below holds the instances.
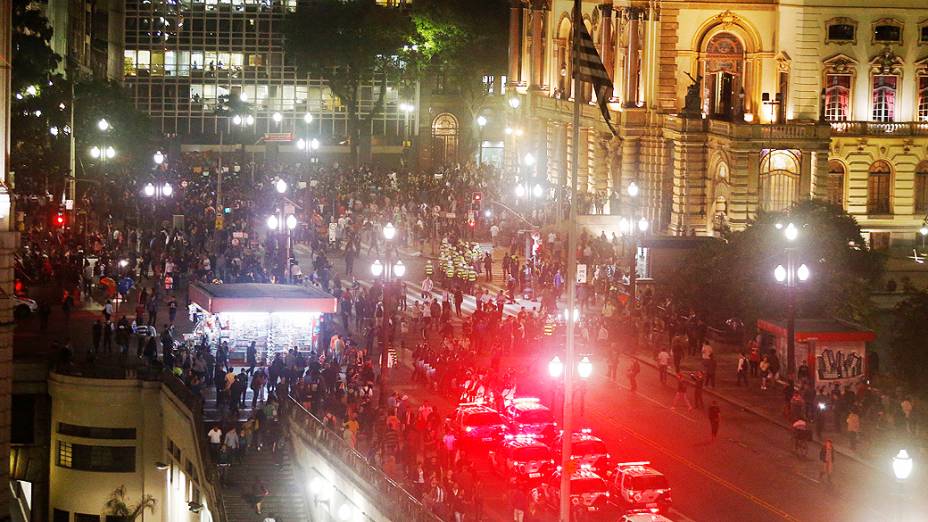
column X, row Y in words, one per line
column 427, row 286
column 215, row 441
column 663, row 362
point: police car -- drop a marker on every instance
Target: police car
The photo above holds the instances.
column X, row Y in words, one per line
column 587, row 489
column 524, row 458
column 527, row 415
column 587, row 450
column 638, row 487
column 478, row 425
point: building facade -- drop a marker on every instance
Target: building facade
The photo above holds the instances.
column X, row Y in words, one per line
column 88, row 35
column 724, row 110
column 181, row 56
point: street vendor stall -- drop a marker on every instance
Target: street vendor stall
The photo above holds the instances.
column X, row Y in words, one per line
column 275, row 317
column 834, row 351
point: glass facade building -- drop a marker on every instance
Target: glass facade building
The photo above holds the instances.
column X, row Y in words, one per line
column 182, row 55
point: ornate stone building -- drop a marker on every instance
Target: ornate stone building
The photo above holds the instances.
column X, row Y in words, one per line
column 786, row 101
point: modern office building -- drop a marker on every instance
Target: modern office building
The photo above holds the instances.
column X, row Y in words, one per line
column 181, row 56
column 88, row 35
column 787, row 101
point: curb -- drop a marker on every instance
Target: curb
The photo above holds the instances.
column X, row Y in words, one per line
column 755, row 411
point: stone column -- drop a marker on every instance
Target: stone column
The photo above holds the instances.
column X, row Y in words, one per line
column 583, row 159
column 9, row 240
column 805, row 175
column 632, row 62
column 607, row 52
column 515, row 42
column 538, row 46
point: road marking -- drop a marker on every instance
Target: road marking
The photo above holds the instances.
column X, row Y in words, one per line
column 678, row 516
column 655, row 401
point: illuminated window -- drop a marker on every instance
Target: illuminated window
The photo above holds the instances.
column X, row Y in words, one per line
column 923, row 98
column 65, row 454
column 884, row 98
column 837, row 97
column 779, row 179
column 129, row 66
column 879, row 180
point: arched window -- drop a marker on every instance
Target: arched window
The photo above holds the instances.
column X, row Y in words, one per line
column 779, row 179
column 723, row 72
column 884, row 97
column 921, row 188
column 879, row 181
column 444, row 138
column 562, row 52
column 834, row 185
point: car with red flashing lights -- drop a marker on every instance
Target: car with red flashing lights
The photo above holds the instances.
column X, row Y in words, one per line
column 528, row 416
column 644, row 517
column 638, row 487
column 478, row 425
column 587, row 490
column 526, row 459
column 586, row 449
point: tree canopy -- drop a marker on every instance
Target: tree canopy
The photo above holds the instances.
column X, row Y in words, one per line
column 722, row 280
column 910, row 330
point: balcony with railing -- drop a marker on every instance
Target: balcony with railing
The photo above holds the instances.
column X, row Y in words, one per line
column 879, row 128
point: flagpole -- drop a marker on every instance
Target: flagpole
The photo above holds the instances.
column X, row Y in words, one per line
column 570, row 359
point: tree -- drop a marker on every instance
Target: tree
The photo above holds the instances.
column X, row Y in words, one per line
column 910, row 329
column 735, row 279
column 349, row 43
column 454, row 33
column 117, row 505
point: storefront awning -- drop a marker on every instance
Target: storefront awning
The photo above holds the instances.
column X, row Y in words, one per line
column 818, row 330
column 255, row 297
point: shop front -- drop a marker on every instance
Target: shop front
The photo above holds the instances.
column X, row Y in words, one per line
column 276, row 318
column 835, row 352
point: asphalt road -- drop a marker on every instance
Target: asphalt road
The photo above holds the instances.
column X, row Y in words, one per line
column 749, row 473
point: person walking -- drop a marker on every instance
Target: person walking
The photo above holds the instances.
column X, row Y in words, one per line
column 613, row 364
column 827, row 456
column 681, row 393
column 97, row 331
column 710, row 365
column 258, row 493
column 698, row 382
column 853, row 428
column 633, row 370
column 741, row 371
column 765, row 374
column 663, row 362
column 715, row 417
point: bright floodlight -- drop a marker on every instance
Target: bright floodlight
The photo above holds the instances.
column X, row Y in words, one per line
column 95, row 152
column 272, row 222
column 158, row 157
column 389, row 231
column 103, row 125
column 301, row 144
column 308, row 118
column 779, row 273
column 643, row 224
column 537, row 191
column 803, row 272
column 902, row 465
column 376, row 268
column 291, row 222
column 555, row 367
column 110, row 152
column 791, row 232
column 281, row 186
column 528, row 159
column 514, row 102
column 585, row 367
column 237, row 120
column 167, row 190
column 520, row 191
column 149, row 190
column 314, row 144
column 399, row 269
column 249, row 120
column 277, row 117
column 633, row 189
column 124, row 263
column 481, row 120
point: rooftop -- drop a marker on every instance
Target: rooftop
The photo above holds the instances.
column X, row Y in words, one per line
column 256, row 297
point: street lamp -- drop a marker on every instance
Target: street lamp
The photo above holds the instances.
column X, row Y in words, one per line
column 633, row 189
column 389, row 231
column 555, row 367
column 399, row 269
column 158, row 157
column 481, row 123
column 307, row 118
column 791, row 276
column 103, row 125
column 585, row 367
column 277, row 117
column 902, row 465
column 515, row 102
column 281, row 186
column 272, row 222
column 279, row 223
column 376, row 268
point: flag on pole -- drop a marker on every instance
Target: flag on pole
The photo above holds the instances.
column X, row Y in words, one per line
column 588, row 67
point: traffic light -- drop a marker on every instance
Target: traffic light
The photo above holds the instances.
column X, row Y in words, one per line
column 478, row 196
column 59, row 220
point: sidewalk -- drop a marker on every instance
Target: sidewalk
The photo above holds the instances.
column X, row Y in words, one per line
column 873, row 452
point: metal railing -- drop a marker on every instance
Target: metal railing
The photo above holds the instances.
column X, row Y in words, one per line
column 391, row 499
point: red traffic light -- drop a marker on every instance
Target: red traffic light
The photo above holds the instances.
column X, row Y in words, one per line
column 60, row 219
column 478, row 196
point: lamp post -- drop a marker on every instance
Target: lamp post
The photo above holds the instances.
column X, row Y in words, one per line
column 481, row 123
column 392, row 271
column 902, row 469
column 791, row 276
column 278, row 223
column 555, row 370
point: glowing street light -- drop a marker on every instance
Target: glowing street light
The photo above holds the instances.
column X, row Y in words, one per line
column 924, row 230
column 277, row 117
column 281, row 186
column 307, row 118
column 537, row 191
column 158, row 157
column 407, row 107
column 555, row 367
column 520, row 191
column 376, row 268
column 791, row 232
column 389, row 231
column 95, row 152
column 237, row 120
column 633, row 189
column 167, row 190
column 291, row 222
column 576, row 315
column 585, row 367
column 902, row 465
column 529, row 159
column 314, row 144
column 802, row 272
column 515, row 102
column 103, row 125
column 149, row 190
column 643, row 224
column 249, row 120
column 481, row 121
column 779, row 273
column 301, row 144
column 110, row 152
column 399, row 269
column 272, row 222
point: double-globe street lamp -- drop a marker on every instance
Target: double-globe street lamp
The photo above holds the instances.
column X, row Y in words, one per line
column 392, row 270
column 791, row 276
column 156, row 189
column 278, row 223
